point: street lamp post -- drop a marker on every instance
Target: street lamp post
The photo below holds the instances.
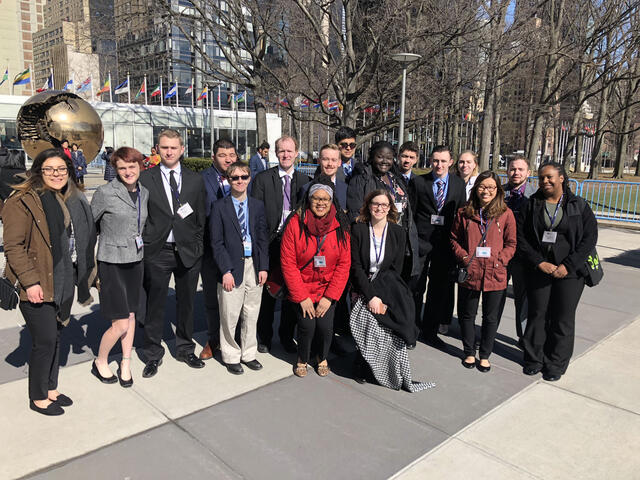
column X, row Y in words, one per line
column 404, row 59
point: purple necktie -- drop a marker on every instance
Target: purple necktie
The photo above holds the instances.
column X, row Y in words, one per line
column 286, row 203
column 440, row 195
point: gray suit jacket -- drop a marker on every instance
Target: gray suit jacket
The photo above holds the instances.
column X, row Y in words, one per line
column 116, row 217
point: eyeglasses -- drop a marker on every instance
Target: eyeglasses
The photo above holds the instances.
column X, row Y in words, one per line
column 350, row 146
column 381, row 206
column 482, row 188
column 235, row 178
column 320, row 200
column 51, row 171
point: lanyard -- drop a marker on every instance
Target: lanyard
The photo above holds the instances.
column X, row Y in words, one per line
column 225, row 191
column 484, row 227
column 553, row 219
column 390, row 185
column 139, row 208
column 378, row 254
column 173, row 192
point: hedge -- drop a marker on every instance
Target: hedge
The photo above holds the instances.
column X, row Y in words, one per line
column 196, row 164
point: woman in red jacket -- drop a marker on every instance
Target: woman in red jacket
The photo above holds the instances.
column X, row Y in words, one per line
column 316, row 257
column 483, row 239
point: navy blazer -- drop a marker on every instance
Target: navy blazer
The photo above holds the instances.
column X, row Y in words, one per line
column 213, row 186
column 256, row 165
column 226, row 239
column 340, row 192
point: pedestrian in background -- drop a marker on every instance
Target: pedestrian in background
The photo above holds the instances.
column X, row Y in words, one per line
column 109, row 171
column 79, row 162
column 467, row 169
column 120, row 212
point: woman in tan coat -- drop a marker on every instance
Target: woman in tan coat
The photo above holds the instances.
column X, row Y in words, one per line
column 49, row 240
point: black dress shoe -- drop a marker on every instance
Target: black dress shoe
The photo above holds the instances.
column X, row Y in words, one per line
column 52, row 410
column 62, row 400
column 551, row 377
column 253, row 364
column 482, row 368
column 264, row 347
column 468, row 364
column 235, row 368
column 435, row 342
column 151, row 368
column 531, row 370
column 96, row 373
column 411, row 346
column 124, row 383
column 191, row 360
column 290, row 346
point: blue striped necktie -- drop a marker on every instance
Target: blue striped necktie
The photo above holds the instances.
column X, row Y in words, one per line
column 440, row 194
column 241, row 220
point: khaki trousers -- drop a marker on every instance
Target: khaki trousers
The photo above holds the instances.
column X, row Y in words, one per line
column 243, row 301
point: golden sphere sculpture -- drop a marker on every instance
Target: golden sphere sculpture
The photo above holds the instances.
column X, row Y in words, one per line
column 49, row 117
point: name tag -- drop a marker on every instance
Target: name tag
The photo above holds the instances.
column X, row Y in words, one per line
column 319, row 261
column 483, row 252
column 549, row 237
column 437, row 219
column 139, row 242
column 399, row 206
column 185, row 210
column 247, row 248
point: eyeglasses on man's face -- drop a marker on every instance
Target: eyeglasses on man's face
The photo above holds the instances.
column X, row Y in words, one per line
column 235, row 178
column 52, row 171
column 345, row 145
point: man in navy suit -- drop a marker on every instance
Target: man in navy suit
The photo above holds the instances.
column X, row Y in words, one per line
column 260, row 161
column 238, row 231
column 217, row 187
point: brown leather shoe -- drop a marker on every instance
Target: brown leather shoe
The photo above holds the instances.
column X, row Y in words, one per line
column 206, row 352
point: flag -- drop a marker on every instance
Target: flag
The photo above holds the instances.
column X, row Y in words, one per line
column 305, row 103
column 5, row 77
column 84, row 86
column 122, row 88
column 69, row 85
column 204, row 93
column 143, row 88
column 156, row 91
column 332, row 105
column 48, row 85
column 284, row 102
column 172, row 91
column 239, row 97
column 105, row 88
column 23, row 78
column 189, row 90
column 467, row 116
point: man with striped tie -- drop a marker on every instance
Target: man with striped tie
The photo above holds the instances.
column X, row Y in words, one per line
column 435, row 198
column 238, row 232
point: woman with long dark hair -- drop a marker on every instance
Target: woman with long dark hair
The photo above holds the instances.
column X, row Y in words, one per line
column 483, row 239
column 556, row 232
column 315, row 259
column 49, row 240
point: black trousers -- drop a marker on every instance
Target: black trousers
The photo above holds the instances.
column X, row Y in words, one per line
column 550, row 333
column 341, row 317
column 45, row 348
column 157, row 273
column 516, row 271
column 438, row 308
column 468, row 308
column 316, row 332
column 209, row 274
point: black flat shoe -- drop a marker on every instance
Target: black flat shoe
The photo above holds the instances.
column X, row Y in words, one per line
column 151, row 368
column 253, row 365
column 264, row 347
column 62, row 400
column 531, row 370
column 235, row 368
column 411, row 346
column 481, row 368
column 96, row 373
column 124, row 383
column 551, row 377
column 468, row 364
column 52, row 410
column 191, row 360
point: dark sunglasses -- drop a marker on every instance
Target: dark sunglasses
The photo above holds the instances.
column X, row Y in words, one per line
column 235, row 178
column 351, row 145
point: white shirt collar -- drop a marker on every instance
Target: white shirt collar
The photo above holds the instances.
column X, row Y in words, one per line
column 282, row 173
column 177, row 168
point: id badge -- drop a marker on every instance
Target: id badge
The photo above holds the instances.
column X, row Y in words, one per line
column 319, row 261
column 139, row 242
column 437, row 219
column 247, row 248
column 399, row 207
column 549, row 237
column 483, row 252
column 185, row 210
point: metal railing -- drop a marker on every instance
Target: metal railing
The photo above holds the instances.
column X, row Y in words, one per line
column 613, row 200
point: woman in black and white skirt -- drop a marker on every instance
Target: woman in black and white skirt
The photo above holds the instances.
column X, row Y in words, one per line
column 382, row 319
column 120, row 211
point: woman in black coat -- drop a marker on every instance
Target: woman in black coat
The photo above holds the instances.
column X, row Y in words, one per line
column 556, row 232
column 382, row 317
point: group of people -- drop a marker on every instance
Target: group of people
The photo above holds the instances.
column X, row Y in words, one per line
column 352, row 250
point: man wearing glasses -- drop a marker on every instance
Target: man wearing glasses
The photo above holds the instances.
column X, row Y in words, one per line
column 346, row 141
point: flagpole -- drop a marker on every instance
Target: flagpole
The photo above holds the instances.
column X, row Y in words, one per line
column 110, row 97
column 145, row 88
column 219, row 105
column 128, row 88
column 176, row 85
column 32, row 78
column 53, row 82
column 211, row 121
column 192, row 93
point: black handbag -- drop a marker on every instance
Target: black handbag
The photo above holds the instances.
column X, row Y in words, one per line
column 593, row 269
column 9, row 296
column 460, row 274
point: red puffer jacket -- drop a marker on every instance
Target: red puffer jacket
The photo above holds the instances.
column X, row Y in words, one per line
column 314, row 282
column 485, row 274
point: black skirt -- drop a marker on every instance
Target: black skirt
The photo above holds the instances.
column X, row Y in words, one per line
column 120, row 285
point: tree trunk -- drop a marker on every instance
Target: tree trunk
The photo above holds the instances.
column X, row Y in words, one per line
column 457, row 111
column 579, row 151
column 496, row 128
column 623, row 140
column 262, row 134
column 599, row 137
column 571, row 141
column 536, row 140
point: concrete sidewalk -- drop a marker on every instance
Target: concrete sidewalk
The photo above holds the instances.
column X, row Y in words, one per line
column 186, row 423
